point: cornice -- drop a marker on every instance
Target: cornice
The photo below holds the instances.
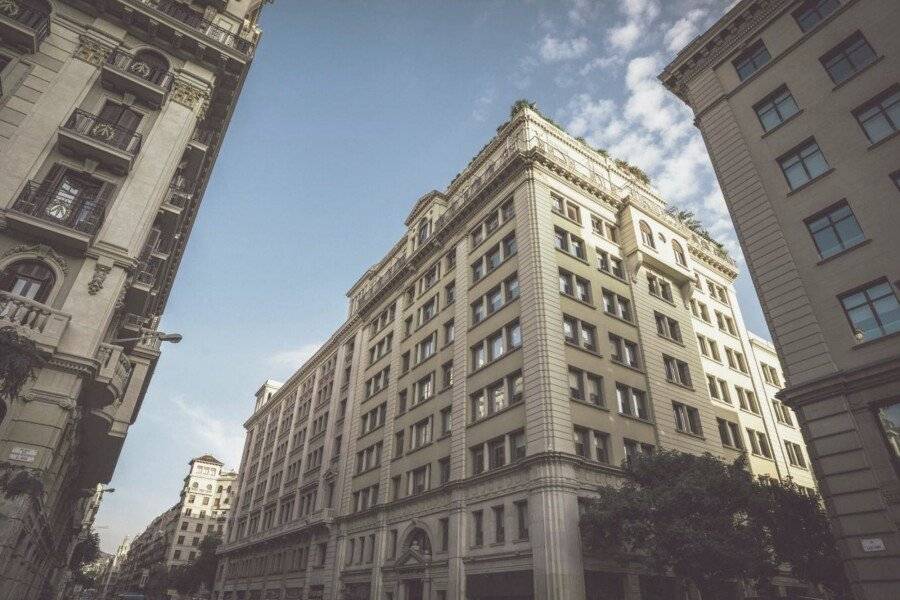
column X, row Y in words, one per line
column 842, row 383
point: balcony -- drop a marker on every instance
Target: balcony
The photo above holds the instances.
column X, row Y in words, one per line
column 23, row 26
column 57, row 217
column 124, row 73
column 34, row 320
column 88, row 136
column 115, row 372
column 149, row 273
column 177, row 198
column 195, row 21
column 201, row 140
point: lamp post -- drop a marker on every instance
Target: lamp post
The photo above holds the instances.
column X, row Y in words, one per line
column 160, row 335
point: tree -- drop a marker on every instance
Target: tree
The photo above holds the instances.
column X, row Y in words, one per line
column 201, row 571
column 19, row 359
column 685, row 514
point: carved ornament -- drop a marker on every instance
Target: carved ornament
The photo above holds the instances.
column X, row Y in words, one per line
column 191, row 96
column 40, row 251
column 92, row 51
column 96, row 282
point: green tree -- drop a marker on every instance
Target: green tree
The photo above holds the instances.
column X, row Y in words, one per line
column 201, row 571
column 19, row 359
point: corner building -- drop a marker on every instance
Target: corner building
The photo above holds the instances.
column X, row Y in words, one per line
column 534, row 328
column 799, row 106
column 111, row 118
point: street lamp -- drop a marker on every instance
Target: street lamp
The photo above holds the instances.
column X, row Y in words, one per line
column 161, row 336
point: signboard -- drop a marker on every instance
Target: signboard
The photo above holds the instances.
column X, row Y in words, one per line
column 872, row 545
column 23, row 454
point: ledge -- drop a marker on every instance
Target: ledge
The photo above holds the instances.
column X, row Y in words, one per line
column 782, row 124
column 844, row 251
column 809, row 183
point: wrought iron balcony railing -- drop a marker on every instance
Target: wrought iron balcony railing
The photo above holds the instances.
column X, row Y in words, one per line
column 84, row 214
column 181, row 12
column 26, row 16
column 126, row 62
column 104, row 131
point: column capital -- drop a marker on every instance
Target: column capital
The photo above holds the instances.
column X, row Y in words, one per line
column 93, row 50
column 192, row 95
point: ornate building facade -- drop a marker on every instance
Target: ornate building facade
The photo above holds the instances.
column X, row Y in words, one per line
column 543, row 319
column 799, row 106
column 111, row 117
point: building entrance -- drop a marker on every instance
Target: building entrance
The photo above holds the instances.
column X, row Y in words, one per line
column 414, row 590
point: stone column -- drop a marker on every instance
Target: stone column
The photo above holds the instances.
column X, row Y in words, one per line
column 557, row 559
column 456, row 571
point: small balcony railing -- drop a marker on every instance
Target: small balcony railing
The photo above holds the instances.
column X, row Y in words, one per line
column 37, row 321
column 104, row 131
column 30, row 24
column 78, row 213
column 126, row 62
column 195, row 21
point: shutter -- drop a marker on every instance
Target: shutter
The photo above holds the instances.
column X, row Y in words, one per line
column 91, row 213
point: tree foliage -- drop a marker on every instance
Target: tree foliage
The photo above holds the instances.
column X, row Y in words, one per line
column 19, row 359
column 707, row 522
column 202, row 570
column 690, row 220
column 86, row 551
column 17, row 481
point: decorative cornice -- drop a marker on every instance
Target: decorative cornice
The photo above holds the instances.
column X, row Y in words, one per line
column 92, row 51
column 883, row 373
column 189, row 95
column 40, row 251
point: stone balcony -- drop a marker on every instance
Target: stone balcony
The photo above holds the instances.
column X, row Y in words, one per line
column 36, row 321
column 23, row 26
column 124, row 73
column 115, row 370
column 85, row 135
column 41, row 212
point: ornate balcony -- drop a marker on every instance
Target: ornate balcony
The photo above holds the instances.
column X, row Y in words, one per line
column 125, row 73
column 177, row 198
column 23, row 26
column 88, row 136
column 194, row 20
column 34, row 320
column 148, row 274
column 60, row 218
column 114, row 374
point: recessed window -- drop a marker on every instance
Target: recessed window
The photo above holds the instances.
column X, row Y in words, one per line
column 680, row 257
column 835, row 230
column 730, row 434
column 647, row 235
column 811, row 12
column 751, row 60
column 28, row 279
column 880, row 117
column 776, row 108
column 687, row 419
column 873, row 311
column 848, row 58
column 803, row 164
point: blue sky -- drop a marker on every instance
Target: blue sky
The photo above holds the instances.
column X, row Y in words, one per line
column 352, row 111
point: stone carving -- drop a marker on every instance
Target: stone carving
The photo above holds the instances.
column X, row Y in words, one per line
column 40, row 251
column 96, row 282
column 10, row 8
column 191, row 96
column 120, row 301
column 92, row 51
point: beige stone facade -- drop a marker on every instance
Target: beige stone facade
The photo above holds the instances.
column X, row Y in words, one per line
column 799, row 107
column 534, row 328
column 111, row 116
column 173, row 538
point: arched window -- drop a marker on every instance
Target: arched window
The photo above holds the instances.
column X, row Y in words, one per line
column 30, row 279
column 151, row 66
column 647, row 235
column 679, row 253
column 194, row 485
column 418, row 540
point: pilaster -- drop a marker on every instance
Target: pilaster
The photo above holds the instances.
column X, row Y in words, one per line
column 557, row 560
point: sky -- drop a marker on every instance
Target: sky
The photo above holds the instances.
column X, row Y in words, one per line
column 352, row 111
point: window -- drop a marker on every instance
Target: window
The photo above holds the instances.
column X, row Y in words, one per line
column 803, row 164
column 880, row 117
column 811, row 12
column 632, row 402
column 770, row 374
column 759, row 443
column 616, row 305
column 522, row 519
column 494, row 397
column 718, row 389
column 751, row 60
column 514, row 383
column 873, row 311
column 450, row 292
column 835, row 230
column 677, row 371
column 444, row 470
column 423, row 389
column 30, row 279
column 647, row 235
column 730, row 434
column 659, row 287
column 746, row 399
column 680, row 256
column 668, row 327
column 499, row 524
column 782, row 413
column 610, row 264
column 624, row 351
column 420, row 433
column 478, row 528
column 634, row 450
column 575, row 286
column 570, row 243
column 447, row 374
column 848, row 58
column 517, row 445
column 418, row 480
column 581, row 437
column 795, row 454
column 585, row 387
column 687, row 419
column 776, row 108
column 496, row 453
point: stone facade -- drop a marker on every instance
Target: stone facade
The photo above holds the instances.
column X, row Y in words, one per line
column 438, row 444
column 111, row 115
column 797, row 103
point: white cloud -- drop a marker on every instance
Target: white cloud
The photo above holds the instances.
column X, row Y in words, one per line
column 600, row 62
column 583, row 11
column 640, row 8
column 685, row 29
column 207, row 432
column 483, row 105
column 294, row 357
column 625, row 37
column 554, row 49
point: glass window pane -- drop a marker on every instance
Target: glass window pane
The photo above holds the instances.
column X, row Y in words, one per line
column 849, row 231
column 863, row 319
column 888, row 311
column 827, row 242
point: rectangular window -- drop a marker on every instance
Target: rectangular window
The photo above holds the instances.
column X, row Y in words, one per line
column 445, row 534
column 880, row 117
column 848, row 58
column 835, row 230
column 478, row 528
column 803, row 164
column 601, row 447
column 499, row 524
column 730, row 434
column 631, row 401
column 795, row 454
column 522, row 518
column 873, row 311
column 811, row 12
column 751, row 60
column 517, row 445
column 776, row 108
column 668, row 327
column 687, row 419
column 677, row 371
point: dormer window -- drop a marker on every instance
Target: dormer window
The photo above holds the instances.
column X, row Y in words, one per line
column 424, row 231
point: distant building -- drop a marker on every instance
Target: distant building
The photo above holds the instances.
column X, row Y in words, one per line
column 110, row 576
column 799, row 106
column 173, row 538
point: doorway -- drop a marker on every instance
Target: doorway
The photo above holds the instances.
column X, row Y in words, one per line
column 414, row 590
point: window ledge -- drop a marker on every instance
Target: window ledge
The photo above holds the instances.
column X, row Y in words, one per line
column 683, row 386
column 698, row 436
column 883, row 140
column 638, row 419
column 489, row 363
column 602, row 407
column 815, row 179
column 506, row 408
column 671, row 339
column 573, row 256
column 781, row 125
column 613, row 275
column 618, row 318
column 577, row 299
column 876, row 340
column 566, row 217
column 857, row 74
column 417, row 448
column 666, row 300
column 488, row 317
column 844, row 251
column 627, row 366
column 583, row 349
